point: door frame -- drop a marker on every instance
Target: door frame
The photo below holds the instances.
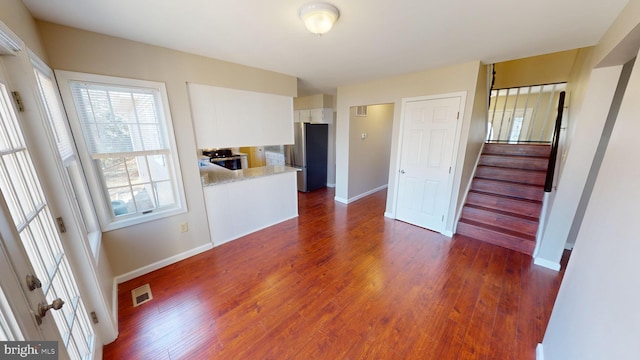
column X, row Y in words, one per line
column 448, row 231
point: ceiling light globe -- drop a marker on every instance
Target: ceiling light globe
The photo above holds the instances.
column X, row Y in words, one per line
column 319, row 17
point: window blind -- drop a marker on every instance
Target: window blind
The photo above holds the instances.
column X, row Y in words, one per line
column 118, row 120
column 48, row 92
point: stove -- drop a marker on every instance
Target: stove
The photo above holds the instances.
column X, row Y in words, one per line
column 224, row 158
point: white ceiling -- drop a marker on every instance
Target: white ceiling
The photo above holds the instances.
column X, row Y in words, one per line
column 372, row 39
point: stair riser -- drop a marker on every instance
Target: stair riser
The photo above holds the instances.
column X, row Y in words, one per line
column 501, row 220
column 529, row 192
column 496, row 238
column 515, row 162
column 517, row 149
column 514, row 175
column 521, row 207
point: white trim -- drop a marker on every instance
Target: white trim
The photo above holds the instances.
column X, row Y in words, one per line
column 569, row 246
column 160, row 264
column 547, row 263
column 360, row 196
column 542, row 220
column 389, row 215
column 331, row 185
column 341, row 200
column 447, row 233
column 539, row 352
column 114, row 304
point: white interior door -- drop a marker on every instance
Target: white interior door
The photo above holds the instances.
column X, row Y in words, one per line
column 429, row 134
column 33, row 244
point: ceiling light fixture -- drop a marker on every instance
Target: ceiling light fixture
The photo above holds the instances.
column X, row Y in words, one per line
column 319, row 17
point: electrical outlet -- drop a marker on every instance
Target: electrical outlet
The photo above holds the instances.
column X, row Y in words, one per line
column 184, row 227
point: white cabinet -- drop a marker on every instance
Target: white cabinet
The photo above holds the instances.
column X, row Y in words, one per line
column 225, row 117
column 316, row 116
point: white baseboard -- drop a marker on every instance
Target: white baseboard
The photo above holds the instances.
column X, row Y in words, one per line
column 331, row 185
column 160, row 264
column 539, row 352
column 114, row 304
column 569, row 246
column 546, row 263
column 389, row 215
column 447, row 233
column 341, row 200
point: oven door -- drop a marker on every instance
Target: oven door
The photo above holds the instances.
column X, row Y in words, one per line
column 231, row 164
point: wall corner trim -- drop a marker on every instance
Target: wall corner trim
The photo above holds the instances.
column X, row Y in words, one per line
column 547, row 263
column 160, row 264
column 539, row 352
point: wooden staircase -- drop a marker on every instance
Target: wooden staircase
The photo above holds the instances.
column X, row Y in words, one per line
column 504, row 203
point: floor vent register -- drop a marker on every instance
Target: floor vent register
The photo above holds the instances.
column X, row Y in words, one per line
column 141, row 295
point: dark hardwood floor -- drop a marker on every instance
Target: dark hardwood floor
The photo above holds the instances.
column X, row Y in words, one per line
column 341, row 282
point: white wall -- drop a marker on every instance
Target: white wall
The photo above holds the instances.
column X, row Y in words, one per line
column 595, row 315
column 590, row 120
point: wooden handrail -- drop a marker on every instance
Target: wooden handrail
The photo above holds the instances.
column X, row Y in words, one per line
column 548, row 184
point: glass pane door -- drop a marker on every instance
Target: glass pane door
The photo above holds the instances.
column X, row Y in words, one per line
column 34, row 223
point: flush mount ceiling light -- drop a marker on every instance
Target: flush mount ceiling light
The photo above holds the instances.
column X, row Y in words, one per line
column 319, row 17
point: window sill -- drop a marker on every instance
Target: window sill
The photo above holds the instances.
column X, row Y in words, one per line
column 156, row 215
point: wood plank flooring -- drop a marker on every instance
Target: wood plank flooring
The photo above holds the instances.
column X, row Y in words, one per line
column 341, row 282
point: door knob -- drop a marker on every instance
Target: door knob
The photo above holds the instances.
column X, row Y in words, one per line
column 401, row 171
column 33, row 282
column 43, row 308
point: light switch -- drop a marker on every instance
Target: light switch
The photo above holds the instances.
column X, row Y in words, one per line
column 363, row 135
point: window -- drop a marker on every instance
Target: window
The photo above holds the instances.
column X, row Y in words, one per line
column 74, row 182
column 123, row 128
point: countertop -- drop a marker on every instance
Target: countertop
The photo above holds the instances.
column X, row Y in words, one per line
column 216, row 175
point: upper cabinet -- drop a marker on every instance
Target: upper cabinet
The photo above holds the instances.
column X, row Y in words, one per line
column 225, row 117
column 316, row 116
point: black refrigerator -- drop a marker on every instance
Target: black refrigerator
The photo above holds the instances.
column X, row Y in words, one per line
column 309, row 155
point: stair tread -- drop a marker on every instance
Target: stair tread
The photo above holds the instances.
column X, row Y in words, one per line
column 505, row 213
column 506, row 197
column 500, row 230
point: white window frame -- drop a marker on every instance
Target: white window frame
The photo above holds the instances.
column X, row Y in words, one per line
column 95, row 181
column 69, row 167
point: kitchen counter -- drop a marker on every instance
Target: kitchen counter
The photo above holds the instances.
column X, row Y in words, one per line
column 216, row 175
column 240, row 202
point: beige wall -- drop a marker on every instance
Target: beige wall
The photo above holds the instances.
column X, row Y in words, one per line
column 455, row 78
column 473, row 138
column 543, row 120
column 16, row 16
column 370, row 156
column 536, row 70
column 71, row 49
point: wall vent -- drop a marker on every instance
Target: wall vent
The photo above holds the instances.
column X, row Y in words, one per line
column 361, row 110
column 141, row 295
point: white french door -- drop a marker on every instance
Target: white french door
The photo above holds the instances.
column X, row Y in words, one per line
column 32, row 243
